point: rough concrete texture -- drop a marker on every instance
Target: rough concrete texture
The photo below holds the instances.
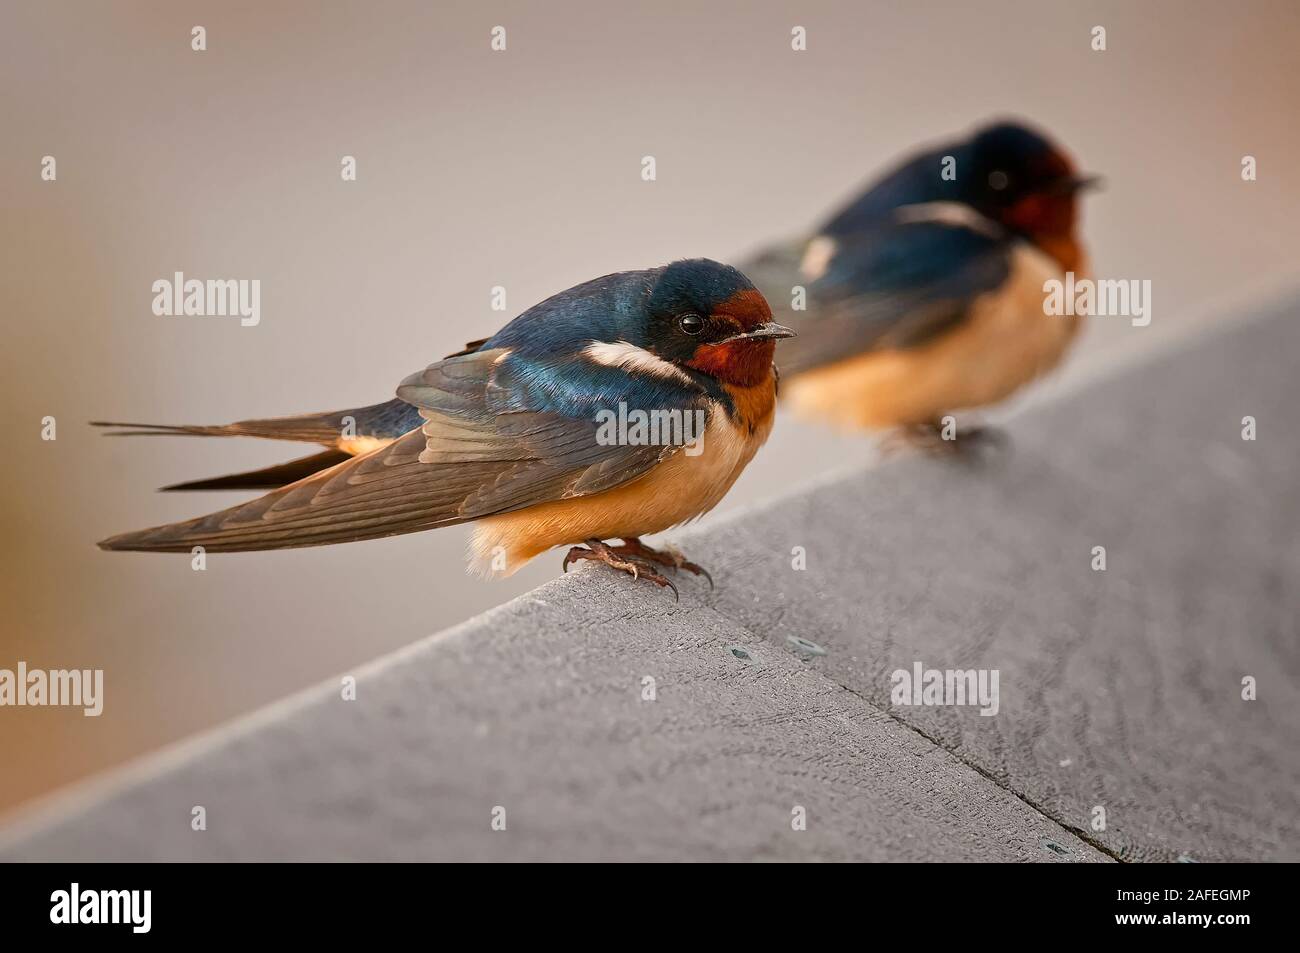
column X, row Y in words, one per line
column 1119, row 690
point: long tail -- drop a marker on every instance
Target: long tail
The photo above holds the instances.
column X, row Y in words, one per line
column 344, row 432
column 268, row 478
column 382, row 493
column 387, row 420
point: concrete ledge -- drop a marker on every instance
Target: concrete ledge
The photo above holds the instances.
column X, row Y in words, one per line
column 1120, row 690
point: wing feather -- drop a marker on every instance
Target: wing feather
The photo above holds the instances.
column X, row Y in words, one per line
column 481, row 450
column 897, row 285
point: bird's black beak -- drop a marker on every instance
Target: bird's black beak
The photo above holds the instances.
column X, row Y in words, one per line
column 769, row 329
column 1073, row 184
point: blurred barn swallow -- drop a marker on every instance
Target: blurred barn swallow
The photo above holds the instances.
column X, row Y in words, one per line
column 505, row 433
column 925, row 295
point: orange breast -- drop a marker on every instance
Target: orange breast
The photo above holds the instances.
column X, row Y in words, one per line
column 680, row 488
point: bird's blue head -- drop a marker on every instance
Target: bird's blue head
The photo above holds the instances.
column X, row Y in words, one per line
column 1019, row 178
column 710, row 318
column 696, row 315
column 1012, row 174
column 1006, row 172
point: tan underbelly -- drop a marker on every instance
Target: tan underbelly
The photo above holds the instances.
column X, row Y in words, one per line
column 1005, row 343
column 679, row 489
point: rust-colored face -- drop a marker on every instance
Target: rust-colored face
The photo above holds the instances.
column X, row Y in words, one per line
column 1048, row 210
column 1048, row 218
column 742, row 363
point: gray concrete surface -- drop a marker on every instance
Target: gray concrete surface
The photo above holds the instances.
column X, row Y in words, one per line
column 1119, row 690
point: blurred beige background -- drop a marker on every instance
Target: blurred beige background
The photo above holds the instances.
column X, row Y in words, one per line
column 478, row 169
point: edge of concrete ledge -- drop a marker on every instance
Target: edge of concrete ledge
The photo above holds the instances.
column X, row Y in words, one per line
column 29, row 820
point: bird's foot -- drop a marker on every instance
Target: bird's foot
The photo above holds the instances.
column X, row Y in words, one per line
column 638, row 567
column 669, row 556
column 935, row 439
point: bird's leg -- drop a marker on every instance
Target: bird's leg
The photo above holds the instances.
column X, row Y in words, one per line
column 937, row 439
column 638, row 567
column 907, row 437
column 668, row 556
column 983, row 437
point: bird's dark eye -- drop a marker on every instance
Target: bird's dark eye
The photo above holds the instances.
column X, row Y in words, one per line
column 691, row 323
column 998, row 180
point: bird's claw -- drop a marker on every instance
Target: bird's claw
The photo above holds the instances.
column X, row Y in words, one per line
column 634, row 563
column 668, row 556
column 966, row 444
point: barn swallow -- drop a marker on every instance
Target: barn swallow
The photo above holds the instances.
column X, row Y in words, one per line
column 924, row 295
column 507, row 433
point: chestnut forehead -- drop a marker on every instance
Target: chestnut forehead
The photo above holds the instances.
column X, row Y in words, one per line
column 747, row 306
